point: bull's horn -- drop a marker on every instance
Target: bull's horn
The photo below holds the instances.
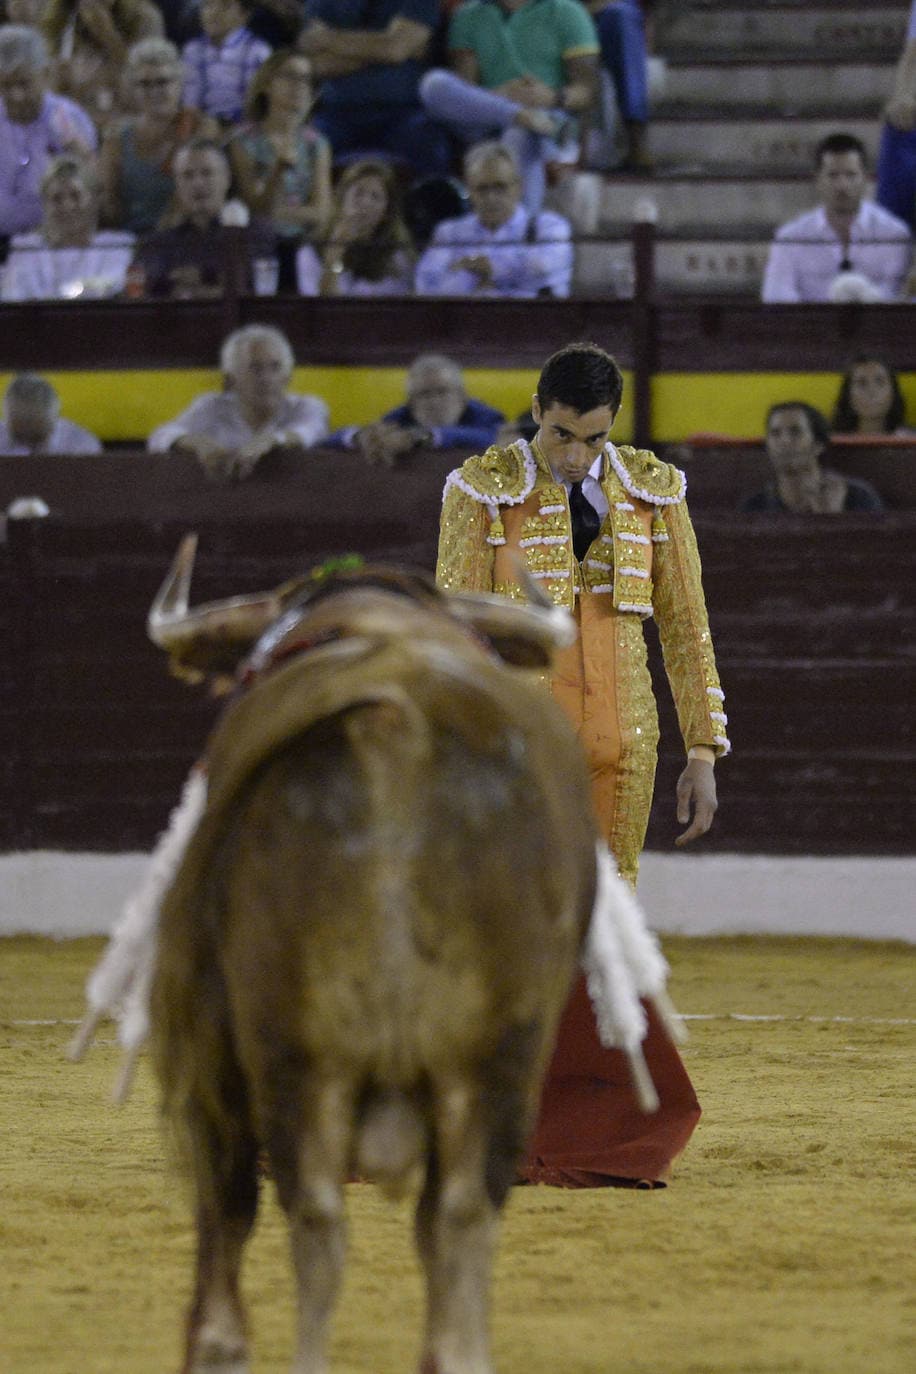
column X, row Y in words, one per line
column 170, row 606
column 550, row 626
column 238, row 621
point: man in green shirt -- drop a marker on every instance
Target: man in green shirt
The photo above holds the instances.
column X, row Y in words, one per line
column 521, row 69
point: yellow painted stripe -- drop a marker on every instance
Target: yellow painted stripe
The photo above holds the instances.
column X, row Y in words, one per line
column 128, row 405
column 736, row 403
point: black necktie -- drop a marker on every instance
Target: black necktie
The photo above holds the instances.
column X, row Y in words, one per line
column 585, row 520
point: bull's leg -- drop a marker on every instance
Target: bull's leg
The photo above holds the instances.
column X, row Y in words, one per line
column 314, row 1202
column 455, row 1225
column 227, row 1199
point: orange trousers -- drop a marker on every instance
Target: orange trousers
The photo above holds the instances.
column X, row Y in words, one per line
column 591, row 1131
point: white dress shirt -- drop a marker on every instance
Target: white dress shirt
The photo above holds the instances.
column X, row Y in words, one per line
column 35, row 272
column 521, row 268
column 806, row 255
column 217, row 415
column 66, row 437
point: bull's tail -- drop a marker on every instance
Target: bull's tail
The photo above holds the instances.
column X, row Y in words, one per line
column 390, row 1142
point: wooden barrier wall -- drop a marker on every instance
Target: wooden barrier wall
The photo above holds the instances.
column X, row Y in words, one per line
column 813, row 620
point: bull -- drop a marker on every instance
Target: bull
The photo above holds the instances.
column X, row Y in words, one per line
column 368, row 933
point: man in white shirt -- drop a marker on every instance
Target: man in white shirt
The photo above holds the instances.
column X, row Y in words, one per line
column 230, row 431
column 32, row 421
column 845, row 234
column 501, row 249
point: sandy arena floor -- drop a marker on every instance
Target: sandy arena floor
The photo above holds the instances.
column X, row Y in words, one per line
column 786, row 1245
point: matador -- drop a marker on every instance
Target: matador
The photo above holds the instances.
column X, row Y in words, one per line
column 606, row 533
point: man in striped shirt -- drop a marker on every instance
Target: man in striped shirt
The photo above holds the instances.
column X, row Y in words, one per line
column 219, row 65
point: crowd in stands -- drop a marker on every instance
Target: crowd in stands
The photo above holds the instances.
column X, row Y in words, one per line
column 333, row 115
column 365, row 148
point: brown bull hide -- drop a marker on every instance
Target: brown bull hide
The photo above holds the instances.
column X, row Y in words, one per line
column 363, row 959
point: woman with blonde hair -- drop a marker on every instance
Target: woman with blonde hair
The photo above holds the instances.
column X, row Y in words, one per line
column 280, row 163
column 67, row 257
column 89, row 40
column 139, row 149
column 368, row 249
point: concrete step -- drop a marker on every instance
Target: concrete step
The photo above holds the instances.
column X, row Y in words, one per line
column 684, row 204
column 773, row 144
column 831, row 30
column 789, row 87
column 700, row 265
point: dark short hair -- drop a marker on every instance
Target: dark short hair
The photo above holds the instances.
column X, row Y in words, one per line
column 581, row 376
column 839, row 143
column 845, row 419
column 820, row 429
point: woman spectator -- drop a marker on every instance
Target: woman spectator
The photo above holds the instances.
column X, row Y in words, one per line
column 281, row 165
column 138, row 150
column 368, row 250
column 89, row 40
column 870, row 400
column 67, row 258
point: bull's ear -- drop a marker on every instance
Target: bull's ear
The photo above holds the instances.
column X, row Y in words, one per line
column 524, row 635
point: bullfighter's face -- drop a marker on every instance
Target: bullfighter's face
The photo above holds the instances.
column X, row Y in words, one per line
column 571, row 440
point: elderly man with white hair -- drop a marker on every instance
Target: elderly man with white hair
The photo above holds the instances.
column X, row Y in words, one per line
column 32, row 422
column 438, row 413
column 231, row 431
column 500, row 249
column 35, row 125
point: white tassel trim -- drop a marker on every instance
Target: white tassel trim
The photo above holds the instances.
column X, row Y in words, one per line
column 603, row 589
column 494, row 542
column 119, row 985
column 559, row 572
column 543, row 539
column 715, row 692
column 659, row 539
column 623, row 505
column 551, row 510
column 622, row 962
column 725, row 743
column 649, row 497
column 454, row 479
column 594, row 563
column 635, row 606
column 719, row 715
column 634, row 539
column 634, row 572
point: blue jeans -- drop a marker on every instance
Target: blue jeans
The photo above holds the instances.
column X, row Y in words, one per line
column 897, row 173
column 473, row 113
column 622, row 34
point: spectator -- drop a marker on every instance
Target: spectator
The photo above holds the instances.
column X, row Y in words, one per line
column 438, row 414
column 138, row 153
column 281, row 164
column 68, row 258
column 500, row 249
column 522, row 70
column 32, row 421
column 231, row 431
column 897, row 152
column 197, row 255
column 797, row 436
column 846, row 233
column 34, row 126
column 219, row 66
column 89, row 40
column 622, row 35
column 368, row 250
column 870, row 400
column 369, row 56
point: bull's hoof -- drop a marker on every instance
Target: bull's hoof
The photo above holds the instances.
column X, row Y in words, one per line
column 214, row 1354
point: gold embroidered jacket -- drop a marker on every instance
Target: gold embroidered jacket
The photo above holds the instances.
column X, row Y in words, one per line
column 644, row 557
